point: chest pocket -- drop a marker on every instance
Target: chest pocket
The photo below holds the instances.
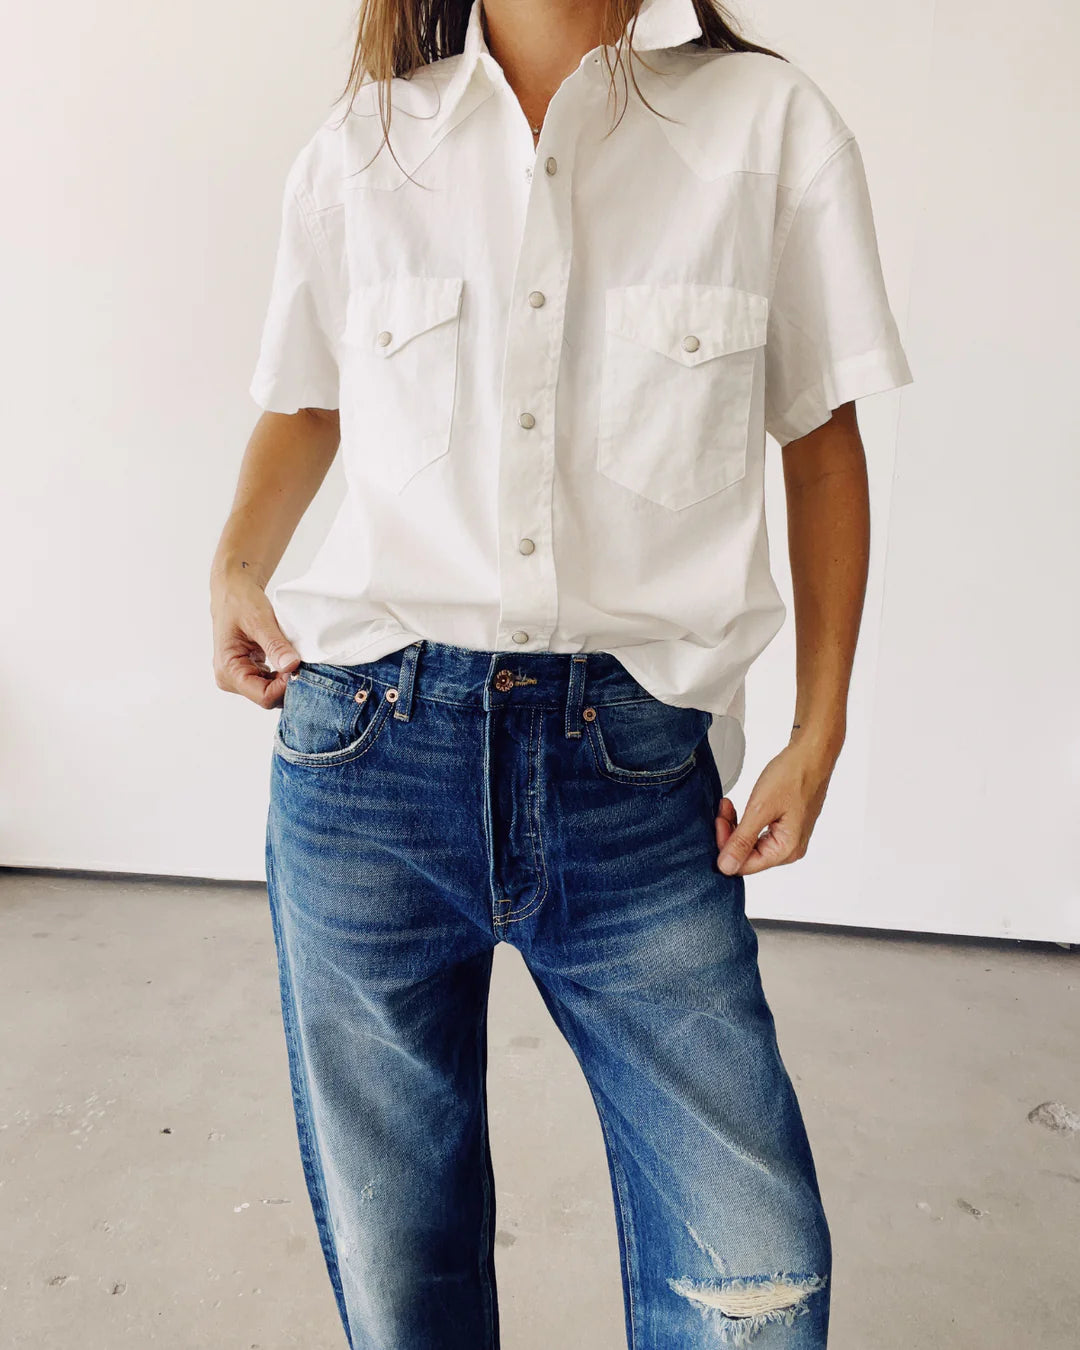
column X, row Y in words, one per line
column 676, row 388
column 401, row 338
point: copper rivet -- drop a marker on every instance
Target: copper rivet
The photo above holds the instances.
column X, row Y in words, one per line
column 589, row 714
column 360, row 695
column 392, row 695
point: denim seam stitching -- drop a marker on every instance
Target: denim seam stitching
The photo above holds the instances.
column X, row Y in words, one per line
column 478, row 705
column 333, row 758
column 307, row 1135
column 344, row 687
column 634, row 777
column 531, row 906
column 489, row 827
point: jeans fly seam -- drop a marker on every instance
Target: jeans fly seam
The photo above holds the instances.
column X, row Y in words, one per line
column 489, row 828
column 535, row 832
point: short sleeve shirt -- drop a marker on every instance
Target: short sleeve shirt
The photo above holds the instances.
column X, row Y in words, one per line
column 556, row 364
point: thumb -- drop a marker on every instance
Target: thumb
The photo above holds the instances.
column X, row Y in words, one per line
column 280, row 654
column 741, row 843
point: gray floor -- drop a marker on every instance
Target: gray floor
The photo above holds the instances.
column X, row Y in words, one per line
column 151, row 1189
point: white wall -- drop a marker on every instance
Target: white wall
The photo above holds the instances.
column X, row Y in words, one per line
column 954, row 807
column 145, row 149
column 146, row 153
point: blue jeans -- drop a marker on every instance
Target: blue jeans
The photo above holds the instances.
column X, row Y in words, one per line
column 431, row 803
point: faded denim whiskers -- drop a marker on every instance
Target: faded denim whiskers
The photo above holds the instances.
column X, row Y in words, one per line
column 432, row 803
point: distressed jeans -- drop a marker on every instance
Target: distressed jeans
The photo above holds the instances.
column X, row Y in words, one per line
column 431, row 803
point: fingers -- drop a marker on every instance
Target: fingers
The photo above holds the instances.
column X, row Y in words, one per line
column 253, row 658
column 279, row 653
column 726, row 821
column 754, row 846
column 267, row 690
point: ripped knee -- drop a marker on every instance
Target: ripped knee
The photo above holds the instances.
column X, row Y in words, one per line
column 741, row 1306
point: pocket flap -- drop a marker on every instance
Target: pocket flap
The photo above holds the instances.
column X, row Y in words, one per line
column 387, row 316
column 687, row 322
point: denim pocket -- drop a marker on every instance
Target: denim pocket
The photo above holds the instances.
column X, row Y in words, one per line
column 645, row 741
column 328, row 717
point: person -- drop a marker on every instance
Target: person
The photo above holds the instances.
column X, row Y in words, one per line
column 547, row 283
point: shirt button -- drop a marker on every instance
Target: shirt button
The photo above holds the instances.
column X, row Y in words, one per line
column 550, row 166
column 527, row 420
column 536, row 299
column 690, row 343
column 383, row 339
column 526, row 546
column 520, row 636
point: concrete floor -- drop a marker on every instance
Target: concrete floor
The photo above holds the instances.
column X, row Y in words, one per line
column 152, row 1194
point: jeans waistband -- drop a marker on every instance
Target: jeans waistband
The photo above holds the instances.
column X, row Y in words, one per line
column 495, row 679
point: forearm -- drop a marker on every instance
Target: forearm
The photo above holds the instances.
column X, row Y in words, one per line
column 828, row 545
column 284, row 464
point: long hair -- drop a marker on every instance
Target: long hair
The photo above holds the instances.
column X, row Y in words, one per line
column 395, row 38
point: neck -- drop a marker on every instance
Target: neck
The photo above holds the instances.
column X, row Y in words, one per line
column 538, row 43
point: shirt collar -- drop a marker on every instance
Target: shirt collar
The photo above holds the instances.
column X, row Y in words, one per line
column 660, row 23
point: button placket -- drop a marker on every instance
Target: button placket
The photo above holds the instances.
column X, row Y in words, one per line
column 534, row 345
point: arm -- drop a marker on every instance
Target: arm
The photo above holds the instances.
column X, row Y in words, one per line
column 286, row 460
column 828, row 536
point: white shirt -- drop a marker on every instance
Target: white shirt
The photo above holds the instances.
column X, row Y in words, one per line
column 556, row 366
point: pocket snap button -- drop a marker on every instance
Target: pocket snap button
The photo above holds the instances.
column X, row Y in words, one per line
column 690, row 343
column 588, row 714
column 383, row 339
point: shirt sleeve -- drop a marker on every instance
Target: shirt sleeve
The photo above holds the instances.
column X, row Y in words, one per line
column 832, row 336
column 297, row 365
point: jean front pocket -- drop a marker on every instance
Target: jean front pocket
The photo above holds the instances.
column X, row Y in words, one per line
column 329, row 716
column 645, row 741
column 399, row 373
column 677, row 383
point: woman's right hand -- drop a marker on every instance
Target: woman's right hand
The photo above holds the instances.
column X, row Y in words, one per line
column 252, row 656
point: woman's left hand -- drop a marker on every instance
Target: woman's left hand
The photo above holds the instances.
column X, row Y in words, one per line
column 785, row 803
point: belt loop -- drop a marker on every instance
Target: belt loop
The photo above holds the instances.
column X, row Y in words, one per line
column 575, row 694
column 406, row 680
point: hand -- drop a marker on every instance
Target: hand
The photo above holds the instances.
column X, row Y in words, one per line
column 786, row 802
column 252, row 656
